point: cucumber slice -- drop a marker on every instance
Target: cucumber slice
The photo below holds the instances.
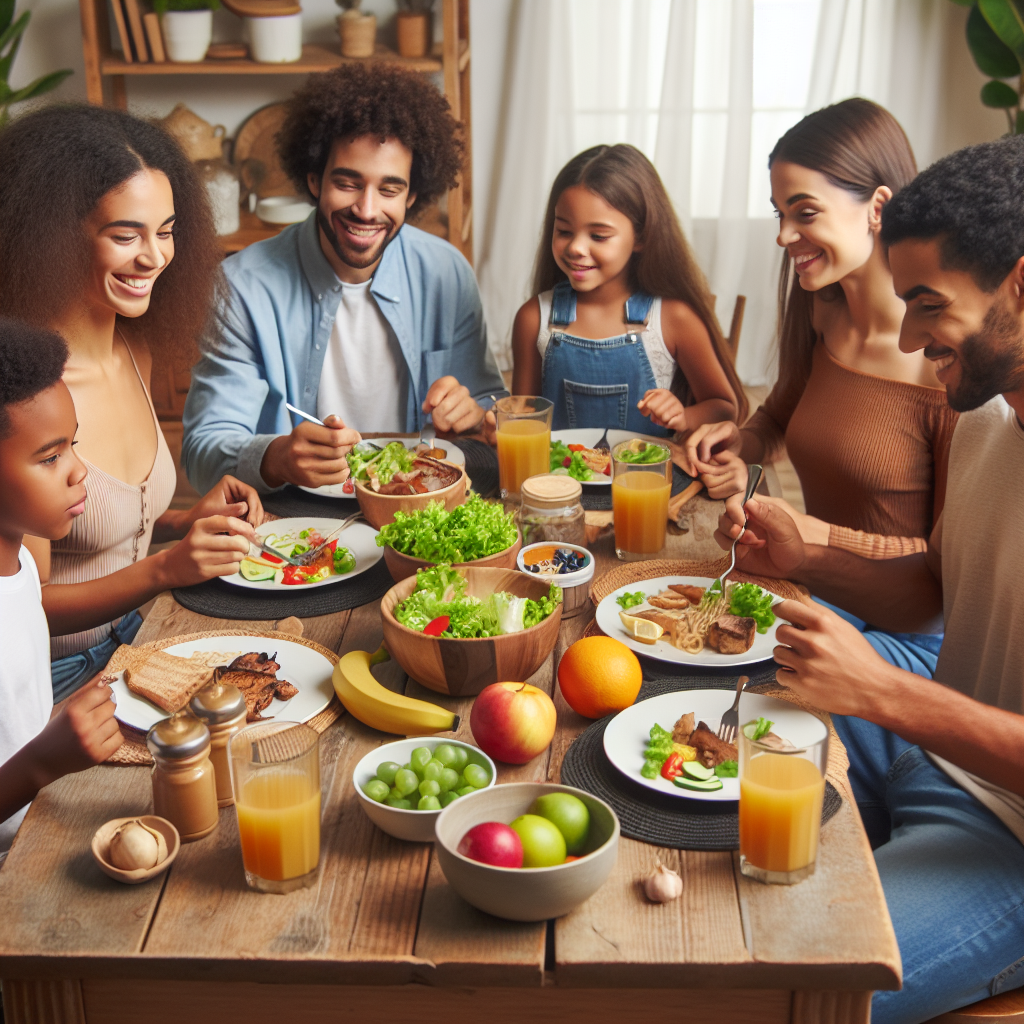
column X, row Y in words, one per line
column 701, row 785
column 695, row 770
column 255, row 572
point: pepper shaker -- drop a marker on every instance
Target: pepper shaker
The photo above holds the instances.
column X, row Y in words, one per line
column 221, row 707
column 184, row 787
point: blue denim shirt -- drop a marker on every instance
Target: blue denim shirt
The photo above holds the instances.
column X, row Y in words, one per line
column 270, row 339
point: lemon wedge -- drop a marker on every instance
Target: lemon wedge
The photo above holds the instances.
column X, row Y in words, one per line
column 644, row 630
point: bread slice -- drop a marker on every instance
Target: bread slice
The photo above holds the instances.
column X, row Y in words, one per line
column 169, row 682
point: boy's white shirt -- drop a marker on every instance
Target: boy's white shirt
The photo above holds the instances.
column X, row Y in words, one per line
column 26, row 693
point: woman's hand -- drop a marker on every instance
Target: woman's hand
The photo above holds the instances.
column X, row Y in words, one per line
column 725, row 477
column 229, row 497
column 701, row 444
column 214, row 546
column 490, row 428
column 664, row 409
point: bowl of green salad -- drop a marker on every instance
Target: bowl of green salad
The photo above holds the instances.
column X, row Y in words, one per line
column 477, row 533
column 457, row 630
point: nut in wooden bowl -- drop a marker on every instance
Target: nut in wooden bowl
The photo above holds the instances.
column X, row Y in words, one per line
column 101, row 848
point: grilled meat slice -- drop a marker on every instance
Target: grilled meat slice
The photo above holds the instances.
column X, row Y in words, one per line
column 731, row 634
column 683, row 728
column 260, row 702
column 692, row 594
column 285, row 690
column 711, row 751
column 669, row 599
column 256, row 662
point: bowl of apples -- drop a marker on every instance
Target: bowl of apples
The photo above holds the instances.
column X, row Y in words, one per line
column 527, row 851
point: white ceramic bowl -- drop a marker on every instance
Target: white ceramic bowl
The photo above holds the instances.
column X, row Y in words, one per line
column 282, row 209
column 524, row 894
column 415, row 826
column 575, row 585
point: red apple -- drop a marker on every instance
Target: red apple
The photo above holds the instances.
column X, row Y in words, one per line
column 493, row 843
column 513, row 722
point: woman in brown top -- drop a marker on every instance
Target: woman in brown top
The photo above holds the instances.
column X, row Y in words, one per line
column 95, row 206
column 866, row 425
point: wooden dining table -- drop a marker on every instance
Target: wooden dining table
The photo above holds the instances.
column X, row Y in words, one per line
column 382, row 937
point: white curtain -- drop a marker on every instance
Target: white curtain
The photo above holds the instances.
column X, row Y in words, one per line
column 704, row 88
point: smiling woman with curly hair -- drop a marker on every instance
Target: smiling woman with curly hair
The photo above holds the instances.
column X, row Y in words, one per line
column 354, row 316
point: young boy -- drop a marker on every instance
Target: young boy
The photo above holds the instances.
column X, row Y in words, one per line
column 42, row 489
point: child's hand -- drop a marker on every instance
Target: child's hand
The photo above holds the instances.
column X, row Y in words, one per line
column 83, row 733
column 214, row 546
column 490, row 428
column 664, row 409
column 726, row 474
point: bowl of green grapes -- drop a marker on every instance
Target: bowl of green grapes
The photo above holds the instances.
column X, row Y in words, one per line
column 403, row 786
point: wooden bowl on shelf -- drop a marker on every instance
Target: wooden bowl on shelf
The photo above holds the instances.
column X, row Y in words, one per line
column 402, row 566
column 462, row 668
column 380, row 509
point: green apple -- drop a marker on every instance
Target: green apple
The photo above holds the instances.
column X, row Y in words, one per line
column 543, row 844
column 569, row 814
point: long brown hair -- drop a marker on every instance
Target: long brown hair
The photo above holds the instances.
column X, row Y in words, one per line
column 858, row 146
column 56, row 164
column 665, row 265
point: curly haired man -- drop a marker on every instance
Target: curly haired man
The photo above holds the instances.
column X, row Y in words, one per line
column 353, row 315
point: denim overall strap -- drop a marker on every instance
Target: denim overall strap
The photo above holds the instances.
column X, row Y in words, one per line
column 563, row 304
column 638, row 307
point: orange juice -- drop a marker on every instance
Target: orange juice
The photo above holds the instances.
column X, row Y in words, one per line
column 524, row 450
column 780, row 812
column 279, row 824
column 640, row 509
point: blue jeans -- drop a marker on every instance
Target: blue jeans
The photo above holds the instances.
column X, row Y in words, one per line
column 952, row 872
column 915, row 652
column 70, row 673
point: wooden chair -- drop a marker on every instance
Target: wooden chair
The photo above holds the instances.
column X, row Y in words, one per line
column 1005, row 1008
column 732, row 339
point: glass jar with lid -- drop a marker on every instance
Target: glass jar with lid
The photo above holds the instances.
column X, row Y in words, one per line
column 551, row 510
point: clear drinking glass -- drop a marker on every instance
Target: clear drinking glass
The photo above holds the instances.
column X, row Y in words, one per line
column 524, row 440
column 275, row 773
column 781, row 793
column 640, row 493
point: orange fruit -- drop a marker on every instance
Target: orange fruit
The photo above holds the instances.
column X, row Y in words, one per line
column 599, row 676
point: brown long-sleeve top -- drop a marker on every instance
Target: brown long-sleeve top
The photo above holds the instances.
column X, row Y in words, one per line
column 871, row 453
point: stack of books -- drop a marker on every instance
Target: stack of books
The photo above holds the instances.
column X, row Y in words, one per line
column 139, row 33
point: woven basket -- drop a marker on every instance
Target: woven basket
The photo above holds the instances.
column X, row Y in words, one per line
column 134, row 751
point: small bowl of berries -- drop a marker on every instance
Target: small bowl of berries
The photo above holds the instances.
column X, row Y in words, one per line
column 569, row 566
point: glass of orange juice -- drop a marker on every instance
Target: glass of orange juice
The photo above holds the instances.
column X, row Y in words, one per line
column 641, row 486
column 275, row 773
column 781, row 793
column 524, row 440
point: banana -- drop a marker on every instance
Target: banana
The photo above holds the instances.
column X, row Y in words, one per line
column 380, row 708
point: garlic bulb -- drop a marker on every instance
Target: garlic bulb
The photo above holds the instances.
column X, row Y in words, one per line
column 135, row 845
column 663, row 885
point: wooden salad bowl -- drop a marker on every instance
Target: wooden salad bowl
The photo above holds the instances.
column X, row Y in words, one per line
column 462, row 668
column 402, row 566
column 380, row 509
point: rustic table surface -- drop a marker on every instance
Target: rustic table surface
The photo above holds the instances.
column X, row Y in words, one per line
column 383, row 938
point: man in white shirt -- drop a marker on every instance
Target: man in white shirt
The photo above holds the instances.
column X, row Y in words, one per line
column 937, row 767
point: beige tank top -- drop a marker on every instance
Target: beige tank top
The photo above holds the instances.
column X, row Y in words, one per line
column 113, row 532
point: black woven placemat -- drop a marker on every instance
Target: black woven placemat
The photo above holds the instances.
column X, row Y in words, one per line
column 223, row 601
column 481, row 466
column 595, row 500
column 650, row 817
column 293, row 502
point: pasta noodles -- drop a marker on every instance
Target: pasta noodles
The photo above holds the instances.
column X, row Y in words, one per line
column 694, row 625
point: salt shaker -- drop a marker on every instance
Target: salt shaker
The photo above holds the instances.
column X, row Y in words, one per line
column 221, row 707
column 184, row 787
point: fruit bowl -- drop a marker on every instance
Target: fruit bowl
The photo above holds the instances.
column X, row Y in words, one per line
column 524, row 894
column 414, row 826
column 463, row 668
column 380, row 509
column 402, row 566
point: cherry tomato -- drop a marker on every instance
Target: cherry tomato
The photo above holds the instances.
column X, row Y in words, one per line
column 607, row 470
column 576, row 447
column 436, row 626
column 348, row 487
column 567, row 461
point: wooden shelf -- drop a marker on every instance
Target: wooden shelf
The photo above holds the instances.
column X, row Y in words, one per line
column 314, row 58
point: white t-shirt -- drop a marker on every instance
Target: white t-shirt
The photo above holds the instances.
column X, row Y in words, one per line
column 364, row 379
column 982, row 652
column 26, row 693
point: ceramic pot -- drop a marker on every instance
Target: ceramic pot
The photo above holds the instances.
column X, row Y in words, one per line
column 275, row 40
column 187, row 34
column 224, row 191
column 198, row 138
column 358, row 33
column 414, row 35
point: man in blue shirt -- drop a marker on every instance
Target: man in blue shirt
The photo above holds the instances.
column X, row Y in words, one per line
column 353, row 315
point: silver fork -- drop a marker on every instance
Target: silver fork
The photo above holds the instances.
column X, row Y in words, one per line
column 603, row 444
column 731, row 719
column 309, row 556
column 753, row 479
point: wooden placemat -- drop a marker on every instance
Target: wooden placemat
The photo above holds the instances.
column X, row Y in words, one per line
column 134, row 751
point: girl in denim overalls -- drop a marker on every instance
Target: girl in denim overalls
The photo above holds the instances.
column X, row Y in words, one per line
column 621, row 332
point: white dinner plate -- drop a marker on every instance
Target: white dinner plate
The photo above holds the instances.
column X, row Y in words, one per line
column 359, row 538
column 627, row 735
column 308, row 670
column 589, row 436
column 610, row 624
column 454, row 454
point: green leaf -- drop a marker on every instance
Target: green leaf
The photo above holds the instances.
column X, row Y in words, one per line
column 1005, row 20
column 6, row 15
column 964, row 3
column 1018, row 128
column 999, row 95
column 993, row 57
column 40, row 86
column 14, row 31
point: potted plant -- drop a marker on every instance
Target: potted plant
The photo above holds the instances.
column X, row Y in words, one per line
column 414, row 27
column 358, row 31
column 11, row 33
column 187, row 27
